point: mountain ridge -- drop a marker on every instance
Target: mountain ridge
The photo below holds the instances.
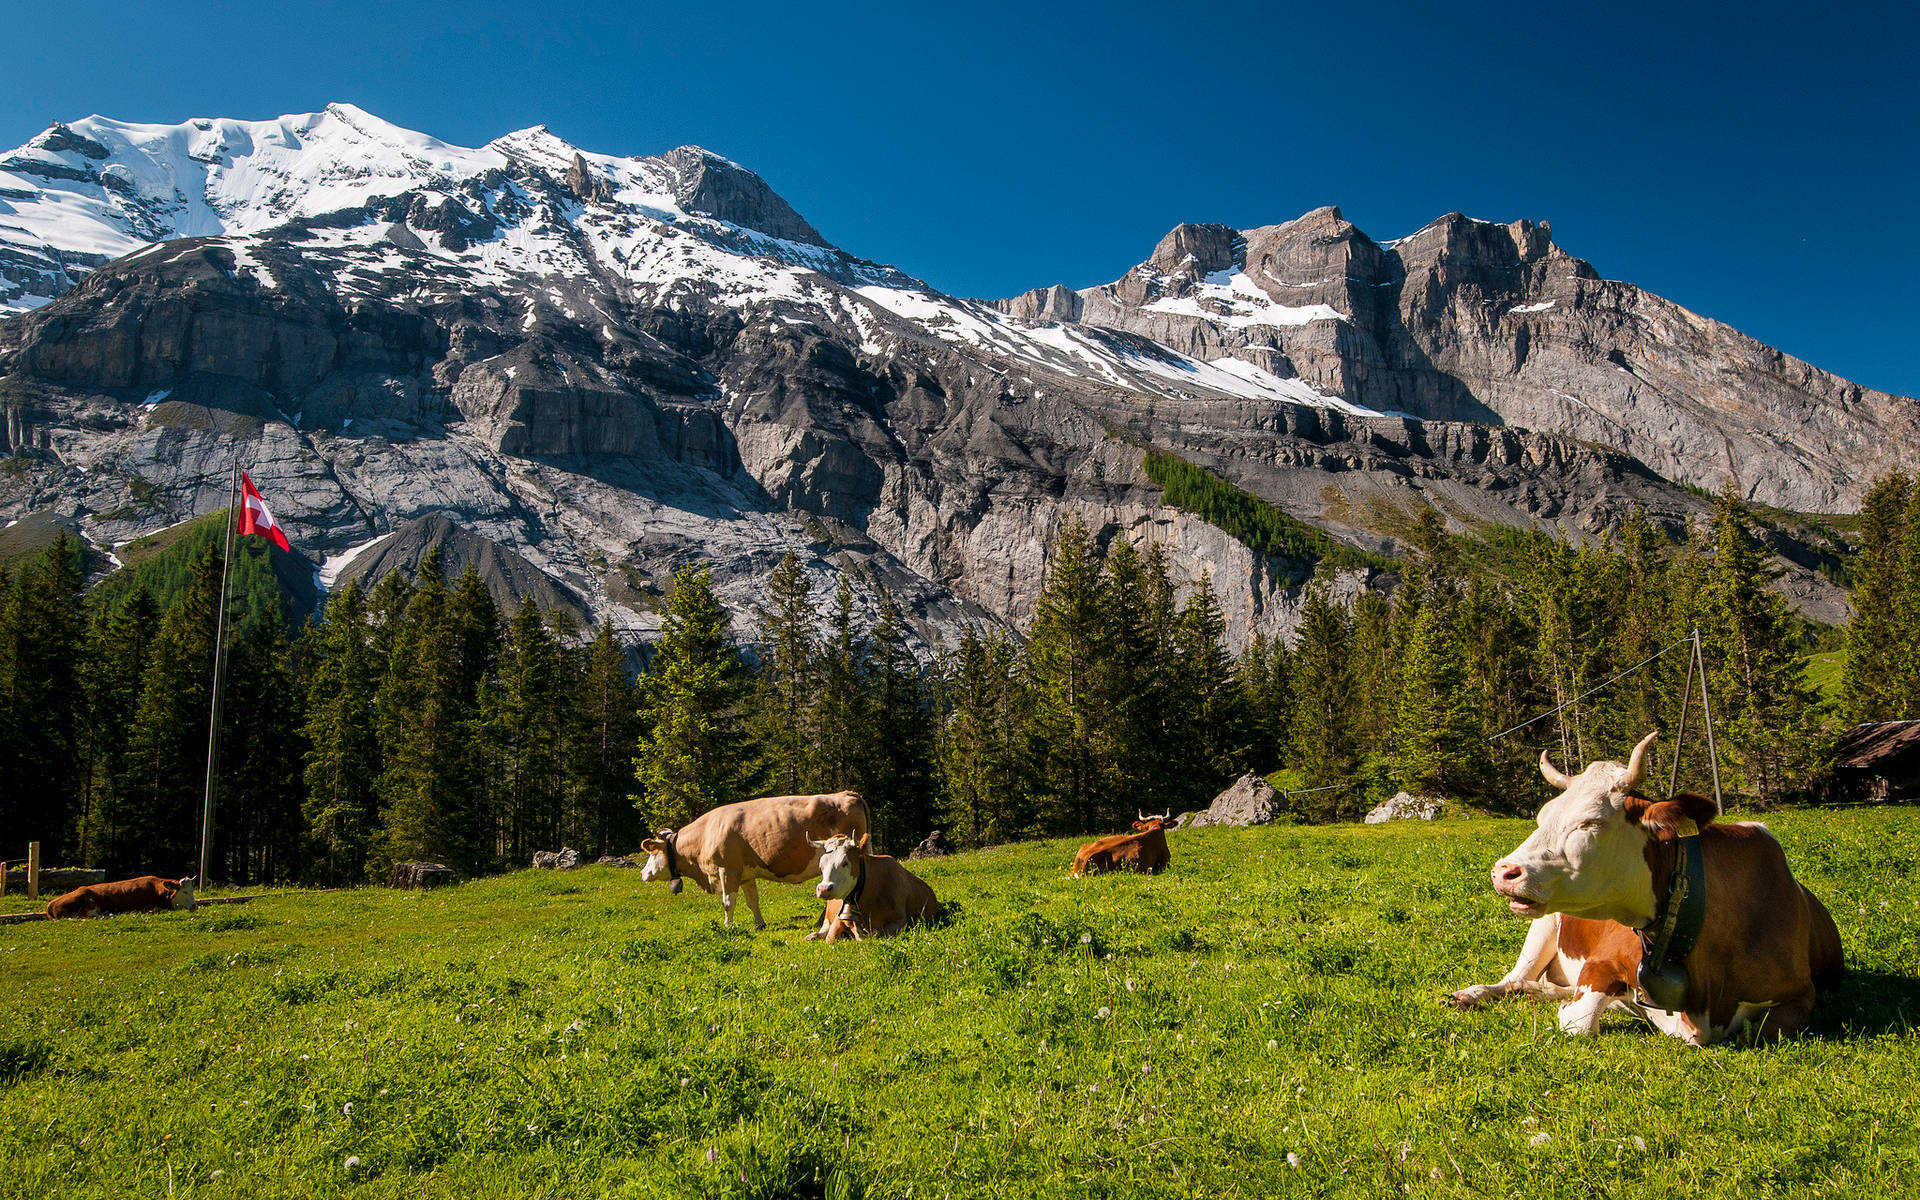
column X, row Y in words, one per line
column 606, row 366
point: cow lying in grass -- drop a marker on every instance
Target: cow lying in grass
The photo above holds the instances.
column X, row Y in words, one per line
column 728, row 848
column 1145, row 849
column 867, row 893
column 1595, row 877
column 149, row 893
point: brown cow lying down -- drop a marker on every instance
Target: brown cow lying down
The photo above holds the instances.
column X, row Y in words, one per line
column 149, row 893
column 1145, row 849
column 730, row 847
column 868, row 893
column 1595, row 875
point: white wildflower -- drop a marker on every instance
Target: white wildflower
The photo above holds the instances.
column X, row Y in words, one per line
column 1540, row 1139
column 1086, row 939
column 1640, row 1143
column 1103, row 1014
column 1293, row 1160
column 346, row 1110
column 353, row 1163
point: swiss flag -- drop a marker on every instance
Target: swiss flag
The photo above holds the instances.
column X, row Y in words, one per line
column 256, row 517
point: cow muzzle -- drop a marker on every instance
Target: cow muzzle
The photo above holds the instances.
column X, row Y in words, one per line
column 823, row 890
column 1510, row 882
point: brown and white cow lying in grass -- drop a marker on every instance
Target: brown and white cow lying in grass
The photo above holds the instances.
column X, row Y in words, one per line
column 1145, row 849
column 1594, row 877
column 728, row 848
column 867, row 893
column 149, row 893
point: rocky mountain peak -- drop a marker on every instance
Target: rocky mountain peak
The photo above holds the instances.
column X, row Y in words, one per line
column 704, row 182
column 1196, row 250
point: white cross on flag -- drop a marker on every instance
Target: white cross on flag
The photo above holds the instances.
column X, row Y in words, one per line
column 256, row 517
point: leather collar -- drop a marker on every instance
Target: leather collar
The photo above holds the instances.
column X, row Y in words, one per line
column 1669, row 938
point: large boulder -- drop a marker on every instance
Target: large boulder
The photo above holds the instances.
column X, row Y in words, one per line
column 563, row 859
column 1405, row 807
column 1251, row 800
column 419, row 875
column 935, row 846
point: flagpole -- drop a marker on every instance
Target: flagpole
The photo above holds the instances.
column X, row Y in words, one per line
column 219, row 666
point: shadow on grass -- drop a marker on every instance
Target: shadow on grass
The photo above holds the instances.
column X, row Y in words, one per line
column 1865, row 1004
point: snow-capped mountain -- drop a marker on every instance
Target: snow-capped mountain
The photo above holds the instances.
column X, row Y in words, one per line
column 612, row 365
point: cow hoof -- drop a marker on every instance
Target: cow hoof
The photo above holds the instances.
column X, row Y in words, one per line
column 1468, row 998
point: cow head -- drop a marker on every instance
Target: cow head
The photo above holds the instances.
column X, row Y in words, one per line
column 840, row 859
column 1587, row 858
column 656, row 864
column 1146, row 824
column 182, row 895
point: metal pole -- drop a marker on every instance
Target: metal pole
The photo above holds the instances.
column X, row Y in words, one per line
column 1706, row 708
column 219, row 664
column 1680, row 738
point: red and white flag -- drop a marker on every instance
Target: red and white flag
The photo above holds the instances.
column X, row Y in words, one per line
column 256, row 517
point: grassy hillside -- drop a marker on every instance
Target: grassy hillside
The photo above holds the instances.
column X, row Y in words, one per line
column 1272, row 1000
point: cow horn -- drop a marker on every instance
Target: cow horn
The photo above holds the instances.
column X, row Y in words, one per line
column 1553, row 774
column 1138, row 815
column 1637, row 764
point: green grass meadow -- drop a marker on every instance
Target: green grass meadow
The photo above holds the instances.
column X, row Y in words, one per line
column 1262, row 1020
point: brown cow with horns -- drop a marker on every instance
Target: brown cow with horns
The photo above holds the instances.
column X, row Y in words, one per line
column 1145, row 849
column 1607, row 878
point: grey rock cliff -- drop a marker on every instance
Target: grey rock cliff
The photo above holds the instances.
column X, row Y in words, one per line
column 591, row 371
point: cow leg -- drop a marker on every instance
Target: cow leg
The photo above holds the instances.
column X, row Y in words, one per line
column 750, row 888
column 728, row 884
column 1580, row 1013
column 1543, row 942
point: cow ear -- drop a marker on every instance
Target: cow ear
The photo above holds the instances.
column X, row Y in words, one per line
column 1635, row 807
column 864, row 839
column 1697, row 808
column 651, row 845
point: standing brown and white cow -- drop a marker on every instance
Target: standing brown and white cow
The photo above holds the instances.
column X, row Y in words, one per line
column 1595, row 876
column 868, row 893
column 148, row 893
column 1145, row 849
column 729, row 848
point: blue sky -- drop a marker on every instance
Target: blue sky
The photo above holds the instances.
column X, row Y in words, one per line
column 1757, row 163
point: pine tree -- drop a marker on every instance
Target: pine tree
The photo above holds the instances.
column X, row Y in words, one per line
column 1759, row 687
column 1263, row 673
column 1215, row 745
column 167, row 746
column 40, row 689
column 1137, row 681
column 981, row 781
column 427, row 711
column 342, row 762
column 119, row 646
column 1438, row 730
column 1069, row 730
column 606, row 727
column 526, row 721
column 1375, row 678
column 1324, row 749
column 258, row 829
column 1877, row 687
column 899, row 780
column 842, row 723
column 695, row 752
column 791, row 673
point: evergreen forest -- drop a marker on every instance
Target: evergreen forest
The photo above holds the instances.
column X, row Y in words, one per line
column 416, row 720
